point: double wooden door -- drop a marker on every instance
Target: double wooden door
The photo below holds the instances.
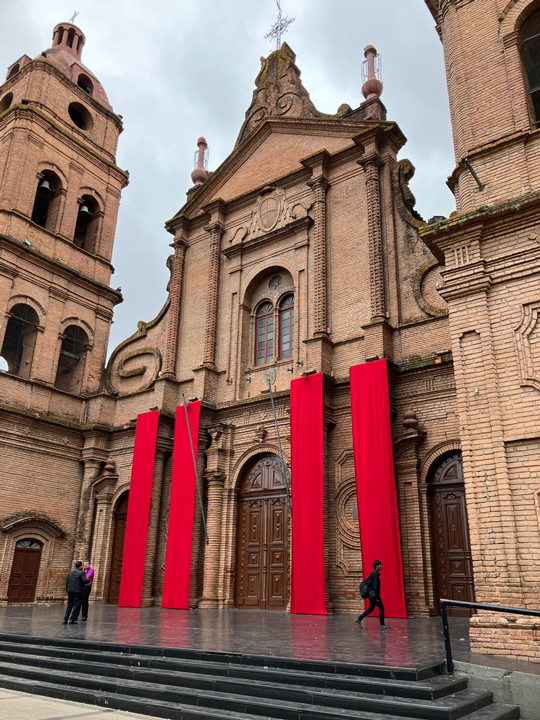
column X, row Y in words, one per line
column 120, row 518
column 24, row 572
column 262, row 569
column 453, row 562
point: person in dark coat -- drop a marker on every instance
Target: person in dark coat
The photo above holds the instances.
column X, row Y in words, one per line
column 374, row 596
column 75, row 582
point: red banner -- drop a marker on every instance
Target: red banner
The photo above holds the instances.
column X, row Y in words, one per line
column 375, row 482
column 307, row 455
column 140, row 491
column 181, row 510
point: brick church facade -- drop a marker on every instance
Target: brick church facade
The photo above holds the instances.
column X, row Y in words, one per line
column 301, row 252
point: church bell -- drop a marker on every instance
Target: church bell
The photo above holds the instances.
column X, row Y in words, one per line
column 45, row 186
column 85, row 211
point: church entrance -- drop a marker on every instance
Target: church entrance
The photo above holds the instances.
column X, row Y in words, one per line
column 453, row 562
column 120, row 518
column 262, row 561
column 24, row 572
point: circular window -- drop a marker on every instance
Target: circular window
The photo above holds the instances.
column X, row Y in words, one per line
column 275, row 282
column 5, row 102
column 80, row 116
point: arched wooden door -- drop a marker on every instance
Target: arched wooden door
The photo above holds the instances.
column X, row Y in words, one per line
column 120, row 517
column 262, row 560
column 24, row 571
column 453, row 562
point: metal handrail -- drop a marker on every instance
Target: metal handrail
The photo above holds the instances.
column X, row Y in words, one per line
column 473, row 606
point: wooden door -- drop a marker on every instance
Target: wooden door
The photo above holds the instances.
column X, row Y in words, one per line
column 262, row 576
column 453, row 562
column 24, row 572
column 120, row 518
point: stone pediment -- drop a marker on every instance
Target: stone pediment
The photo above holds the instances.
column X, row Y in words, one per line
column 273, row 213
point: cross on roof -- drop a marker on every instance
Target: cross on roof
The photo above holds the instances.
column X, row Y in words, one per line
column 279, row 27
column 73, row 18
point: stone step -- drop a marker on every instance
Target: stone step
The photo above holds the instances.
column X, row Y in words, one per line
column 284, row 701
column 294, row 664
column 175, row 711
column 430, row 688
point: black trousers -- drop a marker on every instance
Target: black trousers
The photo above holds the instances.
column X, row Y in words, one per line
column 373, row 603
column 85, row 597
column 73, row 606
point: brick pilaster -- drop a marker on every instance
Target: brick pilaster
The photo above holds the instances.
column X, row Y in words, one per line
column 212, row 552
column 86, row 507
column 371, row 166
column 177, row 277
column 153, row 521
column 216, row 231
column 319, row 186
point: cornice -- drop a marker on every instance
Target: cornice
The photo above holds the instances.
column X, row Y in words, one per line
column 22, row 110
column 323, row 127
column 62, row 269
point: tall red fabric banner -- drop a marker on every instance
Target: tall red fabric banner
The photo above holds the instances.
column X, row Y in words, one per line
column 140, row 491
column 307, row 454
column 375, row 481
column 181, row 510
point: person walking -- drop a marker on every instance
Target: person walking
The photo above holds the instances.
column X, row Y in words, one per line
column 75, row 582
column 89, row 572
column 374, row 596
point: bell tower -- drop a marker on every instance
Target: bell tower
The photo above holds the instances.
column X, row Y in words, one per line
column 493, row 74
column 59, row 196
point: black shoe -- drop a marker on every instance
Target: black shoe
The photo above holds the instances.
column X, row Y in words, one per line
column 65, row 622
column 84, row 619
column 72, row 622
column 385, row 627
column 358, row 622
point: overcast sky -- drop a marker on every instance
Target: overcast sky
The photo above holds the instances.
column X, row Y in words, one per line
column 176, row 70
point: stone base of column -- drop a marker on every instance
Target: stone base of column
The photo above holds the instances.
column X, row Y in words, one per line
column 378, row 339
column 210, row 604
column 319, row 354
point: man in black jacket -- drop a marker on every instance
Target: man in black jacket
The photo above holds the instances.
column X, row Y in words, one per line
column 374, row 596
column 75, row 582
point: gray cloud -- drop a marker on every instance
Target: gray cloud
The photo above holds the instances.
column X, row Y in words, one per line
column 177, row 70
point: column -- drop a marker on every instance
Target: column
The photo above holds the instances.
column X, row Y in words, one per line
column 153, row 526
column 175, row 296
column 102, row 538
column 86, row 507
column 319, row 186
column 212, row 554
column 216, row 231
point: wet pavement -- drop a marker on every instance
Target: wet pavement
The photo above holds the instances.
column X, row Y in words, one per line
column 409, row 643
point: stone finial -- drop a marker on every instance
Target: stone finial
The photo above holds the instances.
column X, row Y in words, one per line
column 410, row 423
column 373, row 87
column 110, row 467
column 198, row 176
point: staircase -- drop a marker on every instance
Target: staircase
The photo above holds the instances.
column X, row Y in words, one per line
column 186, row 684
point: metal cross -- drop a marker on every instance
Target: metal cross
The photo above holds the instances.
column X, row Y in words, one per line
column 73, row 18
column 280, row 26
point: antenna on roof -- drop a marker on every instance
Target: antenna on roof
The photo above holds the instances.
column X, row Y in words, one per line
column 73, row 18
column 279, row 27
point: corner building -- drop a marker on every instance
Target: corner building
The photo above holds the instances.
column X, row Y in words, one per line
column 301, row 252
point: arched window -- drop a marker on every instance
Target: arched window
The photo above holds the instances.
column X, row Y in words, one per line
column 47, row 202
column 265, row 334
column 286, row 327
column 14, row 70
column 20, row 341
column 87, row 224
column 84, row 82
column 530, row 57
column 70, row 372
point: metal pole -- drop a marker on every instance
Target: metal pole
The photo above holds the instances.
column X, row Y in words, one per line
column 447, row 645
column 285, row 470
column 195, row 468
